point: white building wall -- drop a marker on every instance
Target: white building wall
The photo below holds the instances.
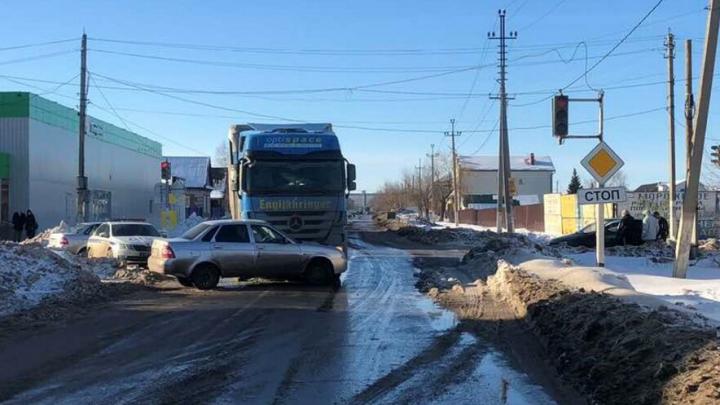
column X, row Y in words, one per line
column 129, row 175
column 527, row 182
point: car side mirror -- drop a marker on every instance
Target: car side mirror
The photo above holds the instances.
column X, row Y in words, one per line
column 163, row 234
column 351, row 186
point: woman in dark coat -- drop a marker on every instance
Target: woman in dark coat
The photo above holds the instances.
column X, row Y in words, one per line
column 30, row 225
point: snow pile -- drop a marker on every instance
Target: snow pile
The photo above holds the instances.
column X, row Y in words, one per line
column 700, row 291
column 31, row 274
column 184, row 226
column 43, row 237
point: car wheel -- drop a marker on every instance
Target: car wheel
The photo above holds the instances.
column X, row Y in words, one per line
column 185, row 282
column 83, row 252
column 205, row 277
column 319, row 273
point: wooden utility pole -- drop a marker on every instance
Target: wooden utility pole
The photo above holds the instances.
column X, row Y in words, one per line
column 692, row 182
column 82, row 214
column 456, row 192
column 670, row 56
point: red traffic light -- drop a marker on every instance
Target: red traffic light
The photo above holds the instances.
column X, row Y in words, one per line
column 164, row 165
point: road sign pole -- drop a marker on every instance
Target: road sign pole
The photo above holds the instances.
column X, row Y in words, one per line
column 600, row 233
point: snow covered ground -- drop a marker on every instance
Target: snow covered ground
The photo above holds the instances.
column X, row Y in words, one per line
column 537, row 237
column 700, row 291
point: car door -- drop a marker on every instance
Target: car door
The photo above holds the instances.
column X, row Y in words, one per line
column 277, row 256
column 233, row 251
column 98, row 242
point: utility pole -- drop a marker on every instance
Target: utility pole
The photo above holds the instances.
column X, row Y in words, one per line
column 504, row 171
column 421, row 196
column 81, row 178
column 692, row 182
column 432, row 156
column 689, row 117
column 456, row 193
column 670, row 56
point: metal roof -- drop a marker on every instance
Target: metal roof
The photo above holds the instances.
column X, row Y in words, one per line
column 195, row 170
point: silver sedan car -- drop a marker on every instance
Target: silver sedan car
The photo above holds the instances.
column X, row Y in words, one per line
column 243, row 249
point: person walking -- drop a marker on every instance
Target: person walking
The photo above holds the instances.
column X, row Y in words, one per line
column 625, row 228
column 31, row 224
column 18, row 223
column 650, row 227
column 663, row 227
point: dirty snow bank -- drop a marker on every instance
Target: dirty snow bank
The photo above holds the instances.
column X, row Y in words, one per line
column 700, row 291
column 43, row 237
column 31, row 274
column 613, row 350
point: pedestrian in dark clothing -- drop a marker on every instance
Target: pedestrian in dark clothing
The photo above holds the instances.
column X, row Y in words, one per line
column 18, row 222
column 663, row 227
column 625, row 228
column 30, row 225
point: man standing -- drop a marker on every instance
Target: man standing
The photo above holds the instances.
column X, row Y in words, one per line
column 625, row 228
column 30, row 225
column 663, row 227
column 18, row 222
column 650, row 227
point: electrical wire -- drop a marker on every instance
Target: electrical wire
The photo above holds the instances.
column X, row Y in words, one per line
column 38, row 57
column 37, row 44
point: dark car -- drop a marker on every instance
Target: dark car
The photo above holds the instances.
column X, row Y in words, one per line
column 586, row 236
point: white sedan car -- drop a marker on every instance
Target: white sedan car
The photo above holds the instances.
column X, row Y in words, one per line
column 128, row 242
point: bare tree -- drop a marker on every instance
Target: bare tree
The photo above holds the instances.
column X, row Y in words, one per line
column 618, row 180
column 222, row 155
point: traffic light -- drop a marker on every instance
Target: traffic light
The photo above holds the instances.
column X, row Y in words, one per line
column 165, row 170
column 715, row 154
column 560, row 116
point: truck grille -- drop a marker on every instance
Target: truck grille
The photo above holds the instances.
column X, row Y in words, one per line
column 315, row 224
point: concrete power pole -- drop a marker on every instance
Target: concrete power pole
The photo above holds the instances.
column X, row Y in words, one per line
column 670, row 56
column 432, row 156
column 689, row 117
column 82, row 214
column 504, row 170
column 692, row 182
column 456, row 192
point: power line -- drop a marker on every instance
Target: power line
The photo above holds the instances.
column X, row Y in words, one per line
column 37, row 57
column 617, row 45
column 36, row 44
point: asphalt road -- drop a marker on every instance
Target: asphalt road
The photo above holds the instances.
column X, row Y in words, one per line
column 375, row 341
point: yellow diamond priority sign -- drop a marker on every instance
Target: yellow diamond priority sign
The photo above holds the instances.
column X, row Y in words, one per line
column 602, row 163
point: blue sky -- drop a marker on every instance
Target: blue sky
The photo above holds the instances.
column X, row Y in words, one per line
column 266, row 46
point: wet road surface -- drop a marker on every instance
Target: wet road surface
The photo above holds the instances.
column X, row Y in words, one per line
column 376, row 340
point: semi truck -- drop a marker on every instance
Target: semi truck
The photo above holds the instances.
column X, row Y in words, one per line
column 293, row 176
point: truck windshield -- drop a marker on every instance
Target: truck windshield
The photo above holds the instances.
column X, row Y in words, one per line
column 296, row 177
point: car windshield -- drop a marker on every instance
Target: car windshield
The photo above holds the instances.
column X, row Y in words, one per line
column 305, row 177
column 195, row 231
column 134, row 230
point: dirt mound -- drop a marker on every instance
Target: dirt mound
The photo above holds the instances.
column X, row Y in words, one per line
column 140, row 276
column 615, row 352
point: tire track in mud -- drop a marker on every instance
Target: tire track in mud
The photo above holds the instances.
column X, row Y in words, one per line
column 442, row 346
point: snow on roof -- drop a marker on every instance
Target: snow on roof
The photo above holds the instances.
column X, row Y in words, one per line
column 194, row 169
column 517, row 163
